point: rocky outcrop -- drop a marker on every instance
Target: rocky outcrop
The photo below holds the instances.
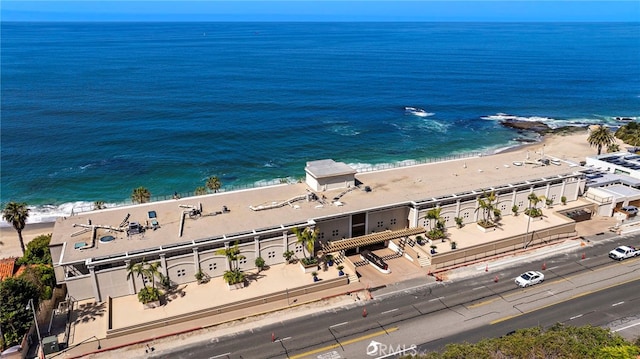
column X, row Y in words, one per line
column 540, row 127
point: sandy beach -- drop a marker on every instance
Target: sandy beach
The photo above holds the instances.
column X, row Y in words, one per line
column 572, row 147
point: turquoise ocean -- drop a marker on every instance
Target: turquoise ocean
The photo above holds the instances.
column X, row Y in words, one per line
column 91, row 111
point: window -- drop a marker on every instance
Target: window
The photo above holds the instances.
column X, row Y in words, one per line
column 380, row 224
column 335, row 233
column 393, row 221
column 298, row 248
column 271, row 254
column 243, row 260
column 213, row 266
column 181, row 272
column 520, row 204
column 465, row 215
column 321, row 235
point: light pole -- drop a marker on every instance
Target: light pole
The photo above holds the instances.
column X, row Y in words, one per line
column 35, row 320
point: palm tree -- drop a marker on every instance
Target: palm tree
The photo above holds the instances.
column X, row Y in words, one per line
column 97, row 205
column 234, row 275
column 152, row 270
column 433, row 215
column 436, row 223
column 532, row 211
column 214, row 184
column 485, row 203
column 135, row 269
column 307, row 238
column 600, row 137
column 16, row 214
column 140, row 195
column 200, row 190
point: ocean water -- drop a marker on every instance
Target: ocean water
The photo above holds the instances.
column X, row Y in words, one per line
column 92, row 110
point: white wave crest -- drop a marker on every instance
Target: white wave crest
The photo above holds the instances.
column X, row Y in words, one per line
column 49, row 213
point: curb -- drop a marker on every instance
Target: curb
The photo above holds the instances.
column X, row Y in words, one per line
column 142, row 341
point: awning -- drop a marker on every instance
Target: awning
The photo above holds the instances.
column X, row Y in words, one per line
column 369, row 239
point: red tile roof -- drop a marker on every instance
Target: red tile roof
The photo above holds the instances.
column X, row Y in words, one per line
column 7, row 267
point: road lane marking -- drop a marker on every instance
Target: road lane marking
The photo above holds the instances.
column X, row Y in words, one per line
column 434, row 299
column 480, row 287
column 221, row 356
column 627, row 327
column 561, row 301
column 576, row 316
column 483, row 303
column 346, row 342
column 389, row 311
column 617, row 304
column 339, row 324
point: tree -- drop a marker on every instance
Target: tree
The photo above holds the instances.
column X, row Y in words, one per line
column 200, row 190
column 629, row 133
column 485, row 204
column 436, row 223
column 234, row 275
column 37, row 251
column 15, row 318
column 42, row 276
column 307, row 238
column 614, row 147
column 213, row 183
column 140, row 195
column 532, row 211
column 599, row 137
column 16, row 214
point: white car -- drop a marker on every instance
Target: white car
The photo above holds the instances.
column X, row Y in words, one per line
column 529, row 278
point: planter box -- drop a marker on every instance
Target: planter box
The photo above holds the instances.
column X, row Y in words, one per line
column 486, row 229
column 151, row 305
column 235, row 286
column 308, row 268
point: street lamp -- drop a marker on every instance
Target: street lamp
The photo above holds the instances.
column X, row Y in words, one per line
column 35, row 320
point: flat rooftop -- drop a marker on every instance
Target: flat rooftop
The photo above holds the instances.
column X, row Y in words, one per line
column 398, row 186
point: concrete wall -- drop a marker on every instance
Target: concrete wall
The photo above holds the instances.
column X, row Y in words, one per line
column 510, row 244
column 114, row 281
column 80, row 287
column 334, row 229
column 393, row 219
column 245, row 303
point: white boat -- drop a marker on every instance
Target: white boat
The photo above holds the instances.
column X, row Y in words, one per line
column 417, row 111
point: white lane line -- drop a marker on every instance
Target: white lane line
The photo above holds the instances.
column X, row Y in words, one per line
column 627, row 327
column 339, row 324
column 616, row 304
column 554, row 267
column 283, row 339
column 575, row 317
column 476, row 288
column 434, row 299
column 220, row 356
column 389, row 311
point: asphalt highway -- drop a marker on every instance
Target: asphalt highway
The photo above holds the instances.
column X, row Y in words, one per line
column 582, row 287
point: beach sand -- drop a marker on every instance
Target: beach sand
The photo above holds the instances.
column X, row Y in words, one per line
column 572, row 147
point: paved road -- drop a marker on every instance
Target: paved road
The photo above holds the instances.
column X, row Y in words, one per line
column 436, row 313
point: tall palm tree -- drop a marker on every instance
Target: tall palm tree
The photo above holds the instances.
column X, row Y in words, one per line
column 307, row 238
column 135, row 269
column 200, row 191
column 213, row 183
column 17, row 214
column 599, row 137
column 485, row 203
column 140, row 195
column 152, row 270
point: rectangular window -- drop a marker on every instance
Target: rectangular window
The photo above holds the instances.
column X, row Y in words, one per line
column 181, row 272
column 393, row 221
column 271, row 254
column 213, row 266
column 334, row 233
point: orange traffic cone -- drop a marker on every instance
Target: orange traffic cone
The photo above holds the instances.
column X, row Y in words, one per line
column 544, row 265
column 496, row 279
column 364, row 312
column 273, row 337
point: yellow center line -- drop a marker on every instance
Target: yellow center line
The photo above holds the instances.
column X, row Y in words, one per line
column 346, row 342
column 562, row 301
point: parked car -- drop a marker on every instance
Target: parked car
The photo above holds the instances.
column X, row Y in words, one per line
column 631, row 210
column 529, row 278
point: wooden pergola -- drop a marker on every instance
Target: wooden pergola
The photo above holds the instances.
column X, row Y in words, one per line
column 369, row 239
